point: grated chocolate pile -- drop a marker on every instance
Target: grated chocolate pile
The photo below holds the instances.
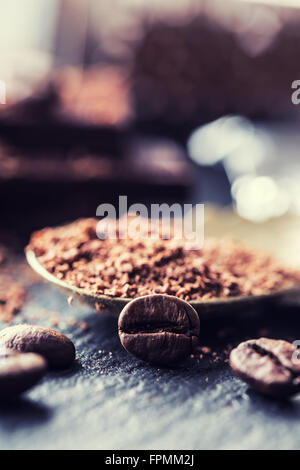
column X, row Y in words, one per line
column 132, row 268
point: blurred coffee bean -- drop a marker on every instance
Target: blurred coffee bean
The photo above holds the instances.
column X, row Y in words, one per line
column 56, row 348
column 19, row 372
column 270, row 366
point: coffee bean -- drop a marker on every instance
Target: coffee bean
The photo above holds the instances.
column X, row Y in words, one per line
column 54, row 346
column 160, row 329
column 19, row 372
column 268, row 365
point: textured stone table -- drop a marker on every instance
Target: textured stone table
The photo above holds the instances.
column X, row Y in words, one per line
column 109, row 400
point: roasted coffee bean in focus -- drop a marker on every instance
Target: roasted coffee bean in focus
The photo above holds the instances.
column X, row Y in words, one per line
column 270, row 366
column 159, row 329
column 52, row 345
column 19, row 372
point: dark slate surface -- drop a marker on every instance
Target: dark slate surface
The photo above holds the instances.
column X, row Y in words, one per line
column 109, row 400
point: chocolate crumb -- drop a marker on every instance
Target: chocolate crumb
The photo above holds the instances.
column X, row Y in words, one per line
column 72, row 321
column 205, row 350
column 129, row 268
column 54, row 320
column 83, row 325
column 12, row 297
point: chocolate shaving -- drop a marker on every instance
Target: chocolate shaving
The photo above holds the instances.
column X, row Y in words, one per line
column 131, row 268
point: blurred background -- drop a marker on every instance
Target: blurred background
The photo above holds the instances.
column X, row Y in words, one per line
column 164, row 102
column 185, row 101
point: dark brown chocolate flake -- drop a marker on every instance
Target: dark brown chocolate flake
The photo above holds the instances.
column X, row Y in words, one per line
column 12, row 297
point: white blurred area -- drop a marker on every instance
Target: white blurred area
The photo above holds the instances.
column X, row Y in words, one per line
column 26, row 38
column 26, row 24
column 262, row 164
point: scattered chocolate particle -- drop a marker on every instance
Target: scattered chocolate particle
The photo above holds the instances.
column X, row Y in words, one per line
column 72, row 321
column 225, row 332
column 205, row 350
column 84, row 326
column 12, row 297
column 99, row 307
column 54, row 320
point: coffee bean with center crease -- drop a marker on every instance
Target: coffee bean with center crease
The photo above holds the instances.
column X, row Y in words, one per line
column 159, row 329
column 268, row 365
column 19, row 372
column 52, row 345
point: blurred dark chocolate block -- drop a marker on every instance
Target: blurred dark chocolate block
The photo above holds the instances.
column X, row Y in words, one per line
column 89, row 109
column 228, row 58
column 53, row 189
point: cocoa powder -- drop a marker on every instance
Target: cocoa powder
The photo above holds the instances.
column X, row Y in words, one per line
column 131, row 268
